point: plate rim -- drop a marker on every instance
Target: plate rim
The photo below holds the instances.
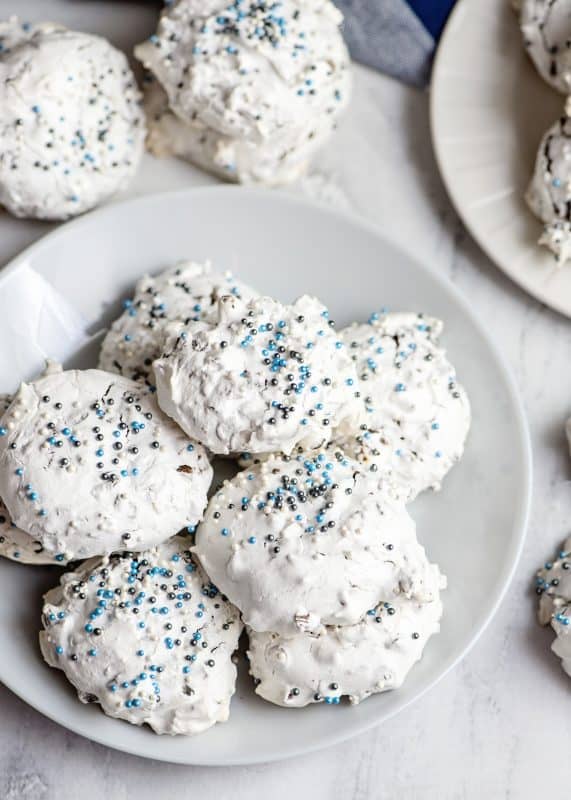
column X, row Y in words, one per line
column 437, row 79
column 521, row 518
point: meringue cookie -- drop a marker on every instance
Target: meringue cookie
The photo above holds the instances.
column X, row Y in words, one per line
column 257, row 89
column 354, row 661
column 549, row 192
column 168, row 135
column 90, row 465
column 17, row 545
column 297, row 543
column 553, row 585
column 184, row 292
column 546, row 30
column 115, row 630
column 261, row 377
column 417, row 414
column 72, row 128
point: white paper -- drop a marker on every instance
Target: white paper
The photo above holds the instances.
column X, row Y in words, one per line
column 36, row 323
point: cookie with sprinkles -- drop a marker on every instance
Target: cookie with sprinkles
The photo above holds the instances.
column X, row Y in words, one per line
column 72, row 128
column 297, row 543
column 546, row 31
column 168, row 135
column 553, row 585
column 253, row 89
column 261, row 376
column 146, row 636
column 16, row 544
column 549, row 192
column 417, row 414
column 188, row 291
column 19, row 546
column 353, row 661
column 89, row 465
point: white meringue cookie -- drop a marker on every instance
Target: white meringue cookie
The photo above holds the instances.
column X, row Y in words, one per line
column 353, row 661
column 418, row 415
column 308, row 541
column 170, row 664
column 72, row 127
column 546, row 30
column 553, row 585
column 17, row 545
column 256, row 88
column 262, row 377
column 549, row 192
column 168, row 135
column 90, row 465
column 186, row 291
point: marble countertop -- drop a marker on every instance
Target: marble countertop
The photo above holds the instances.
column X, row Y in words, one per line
column 499, row 725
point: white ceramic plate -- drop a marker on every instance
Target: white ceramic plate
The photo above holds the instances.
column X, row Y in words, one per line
column 489, row 110
column 474, row 528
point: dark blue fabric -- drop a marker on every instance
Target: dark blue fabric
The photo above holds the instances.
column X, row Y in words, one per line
column 432, row 13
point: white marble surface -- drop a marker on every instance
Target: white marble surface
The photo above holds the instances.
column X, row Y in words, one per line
column 500, row 724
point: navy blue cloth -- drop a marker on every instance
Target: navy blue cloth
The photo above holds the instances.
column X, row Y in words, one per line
column 432, row 13
column 396, row 36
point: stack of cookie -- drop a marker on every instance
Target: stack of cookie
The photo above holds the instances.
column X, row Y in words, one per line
column 248, row 91
column 310, row 545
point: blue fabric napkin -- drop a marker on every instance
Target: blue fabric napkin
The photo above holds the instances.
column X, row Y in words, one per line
column 395, row 36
